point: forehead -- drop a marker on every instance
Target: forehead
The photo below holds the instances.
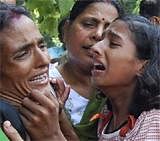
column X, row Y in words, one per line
column 100, row 10
column 20, row 31
column 120, row 29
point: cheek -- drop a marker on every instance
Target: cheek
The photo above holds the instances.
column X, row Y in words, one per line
column 19, row 70
column 77, row 35
column 122, row 68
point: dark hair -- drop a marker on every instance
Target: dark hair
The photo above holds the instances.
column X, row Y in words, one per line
column 8, row 11
column 146, row 37
column 147, row 94
column 61, row 29
column 149, row 8
column 81, row 5
column 142, row 35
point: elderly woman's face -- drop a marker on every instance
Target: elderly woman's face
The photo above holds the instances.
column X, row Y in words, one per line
column 24, row 59
column 115, row 61
column 86, row 30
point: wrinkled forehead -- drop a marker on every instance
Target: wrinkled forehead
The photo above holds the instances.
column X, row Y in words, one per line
column 19, row 31
column 15, row 20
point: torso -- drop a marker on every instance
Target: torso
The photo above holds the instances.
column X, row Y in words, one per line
column 147, row 127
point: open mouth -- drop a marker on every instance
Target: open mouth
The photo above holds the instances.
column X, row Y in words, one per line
column 99, row 66
column 87, row 47
column 39, row 79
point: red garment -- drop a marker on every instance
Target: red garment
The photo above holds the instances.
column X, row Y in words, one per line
column 146, row 128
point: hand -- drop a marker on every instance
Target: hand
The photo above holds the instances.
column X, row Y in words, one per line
column 61, row 91
column 40, row 115
column 11, row 132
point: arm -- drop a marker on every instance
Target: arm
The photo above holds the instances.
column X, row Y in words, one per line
column 66, row 128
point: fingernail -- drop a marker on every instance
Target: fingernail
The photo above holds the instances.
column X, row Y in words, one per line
column 7, row 124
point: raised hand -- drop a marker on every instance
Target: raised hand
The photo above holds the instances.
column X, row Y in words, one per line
column 61, row 90
column 40, row 115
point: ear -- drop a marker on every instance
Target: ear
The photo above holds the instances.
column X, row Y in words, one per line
column 140, row 66
column 66, row 28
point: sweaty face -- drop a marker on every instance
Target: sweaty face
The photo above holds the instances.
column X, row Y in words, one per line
column 24, row 59
column 115, row 61
column 86, row 30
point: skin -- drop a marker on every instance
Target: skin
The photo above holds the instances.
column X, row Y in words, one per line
column 23, row 61
column 11, row 132
column 79, row 36
column 155, row 20
column 117, row 52
column 9, row 1
column 79, row 79
column 23, row 58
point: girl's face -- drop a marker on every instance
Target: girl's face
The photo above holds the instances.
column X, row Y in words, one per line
column 115, row 61
column 86, row 30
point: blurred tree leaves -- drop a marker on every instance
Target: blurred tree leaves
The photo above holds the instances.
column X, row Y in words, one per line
column 131, row 6
column 47, row 14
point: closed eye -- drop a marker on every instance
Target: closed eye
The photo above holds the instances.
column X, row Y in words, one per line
column 89, row 23
column 114, row 45
column 21, row 54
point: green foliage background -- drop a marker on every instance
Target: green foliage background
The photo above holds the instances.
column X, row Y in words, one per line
column 48, row 13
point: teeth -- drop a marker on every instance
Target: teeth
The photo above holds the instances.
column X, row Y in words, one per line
column 99, row 66
column 39, row 78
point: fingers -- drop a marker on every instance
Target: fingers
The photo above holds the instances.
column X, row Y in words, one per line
column 45, row 99
column 40, row 114
column 61, row 90
column 31, row 105
column 60, row 87
column 39, row 105
column 65, row 94
column 11, row 132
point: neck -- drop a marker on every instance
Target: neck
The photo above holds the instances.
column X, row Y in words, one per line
column 120, row 99
column 77, row 78
column 11, row 98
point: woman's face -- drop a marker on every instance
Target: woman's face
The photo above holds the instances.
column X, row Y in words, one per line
column 24, row 59
column 115, row 61
column 86, row 30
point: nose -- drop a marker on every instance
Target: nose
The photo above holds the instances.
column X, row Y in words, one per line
column 98, row 34
column 42, row 58
column 96, row 50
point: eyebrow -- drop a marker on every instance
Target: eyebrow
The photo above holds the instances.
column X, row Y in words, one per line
column 29, row 45
column 113, row 34
column 90, row 19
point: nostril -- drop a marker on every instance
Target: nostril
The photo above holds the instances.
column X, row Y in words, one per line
column 98, row 37
column 95, row 52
